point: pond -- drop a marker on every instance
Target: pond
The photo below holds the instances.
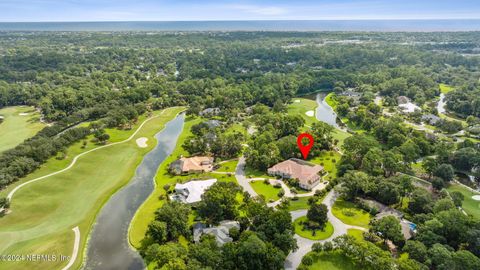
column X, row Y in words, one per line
column 108, row 246
column 324, row 112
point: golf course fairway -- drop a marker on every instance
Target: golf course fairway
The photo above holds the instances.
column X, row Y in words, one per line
column 19, row 123
column 43, row 213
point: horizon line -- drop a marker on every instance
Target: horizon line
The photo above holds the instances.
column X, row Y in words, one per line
column 259, row 20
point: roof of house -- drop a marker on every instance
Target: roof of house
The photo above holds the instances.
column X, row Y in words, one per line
column 431, row 118
column 221, row 232
column 213, row 123
column 195, row 163
column 295, row 168
column 192, row 191
column 192, row 164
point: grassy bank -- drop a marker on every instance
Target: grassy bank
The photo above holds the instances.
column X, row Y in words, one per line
column 349, row 214
column 44, row 212
column 310, row 234
column 19, row 123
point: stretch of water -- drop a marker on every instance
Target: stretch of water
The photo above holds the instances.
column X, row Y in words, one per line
column 324, row 112
column 108, row 248
column 269, row 25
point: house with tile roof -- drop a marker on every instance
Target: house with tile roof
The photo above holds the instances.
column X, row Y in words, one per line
column 307, row 174
column 198, row 164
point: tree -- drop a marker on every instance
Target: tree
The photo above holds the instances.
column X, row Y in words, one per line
column 443, row 205
column 157, row 230
column 219, row 203
column 429, row 164
column 206, row 253
column 253, row 253
column 457, row 198
column 420, row 202
column 163, row 254
column 444, row 171
column 388, row 228
column 175, row 215
column 355, row 183
column 416, row 250
column 387, row 193
column 318, row 214
column 372, row 162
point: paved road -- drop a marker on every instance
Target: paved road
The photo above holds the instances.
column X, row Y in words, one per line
column 305, row 245
column 242, row 178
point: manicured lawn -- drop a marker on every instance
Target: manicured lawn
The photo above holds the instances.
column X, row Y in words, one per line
column 470, row 206
column 44, row 212
column 340, row 135
column 254, row 173
column 269, row 191
column 329, row 162
column 333, row 260
column 445, row 88
column 16, row 128
column 330, row 99
column 302, row 107
column 309, row 234
column 349, row 214
column 301, row 203
column 358, row 234
column 228, row 166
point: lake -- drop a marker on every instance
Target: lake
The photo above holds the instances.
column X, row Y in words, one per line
column 108, row 246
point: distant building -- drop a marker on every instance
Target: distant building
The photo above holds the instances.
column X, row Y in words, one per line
column 210, row 112
column 350, row 93
column 191, row 192
column 221, row 232
column 307, row 174
column 403, row 100
column 198, row 164
column 431, row 119
column 213, row 123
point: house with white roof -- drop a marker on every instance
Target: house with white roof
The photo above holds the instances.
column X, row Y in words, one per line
column 191, row 192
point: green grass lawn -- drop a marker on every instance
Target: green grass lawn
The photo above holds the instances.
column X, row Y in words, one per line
column 329, row 162
column 269, row 191
column 301, row 203
column 331, row 100
column 16, row 128
column 349, row 214
column 470, row 206
column 358, row 234
column 44, row 212
column 302, row 107
column 309, row 234
column 228, row 166
column 340, row 135
column 254, row 173
column 333, row 260
column 444, row 89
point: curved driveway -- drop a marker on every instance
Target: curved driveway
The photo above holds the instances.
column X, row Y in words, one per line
column 304, row 245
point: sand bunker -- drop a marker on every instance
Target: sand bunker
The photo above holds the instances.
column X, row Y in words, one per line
column 23, row 114
column 297, row 100
column 142, row 142
column 310, row 113
column 476, row 197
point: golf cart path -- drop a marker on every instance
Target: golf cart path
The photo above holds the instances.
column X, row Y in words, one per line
column 76, row 246
column 10, row 195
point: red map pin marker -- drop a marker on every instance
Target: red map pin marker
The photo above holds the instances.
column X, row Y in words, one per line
column 305, row 149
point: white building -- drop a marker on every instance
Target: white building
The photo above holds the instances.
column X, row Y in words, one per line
column 192, row 191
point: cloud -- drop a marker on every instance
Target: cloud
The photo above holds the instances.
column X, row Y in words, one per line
column 260, row 10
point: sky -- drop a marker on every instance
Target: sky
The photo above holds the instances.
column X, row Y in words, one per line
column 208, row 10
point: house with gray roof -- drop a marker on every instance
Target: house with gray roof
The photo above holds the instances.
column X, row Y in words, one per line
column 221, row 232
column 431, row 119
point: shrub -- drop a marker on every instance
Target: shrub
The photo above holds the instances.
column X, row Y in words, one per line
column 307, row 260
column 328, row 246
column 317, row 247
column 281, row 193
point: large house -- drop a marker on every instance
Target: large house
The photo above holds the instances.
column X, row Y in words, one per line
column 221, row 232
column 307, row 174
column 198, row 164
column 191, row 192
